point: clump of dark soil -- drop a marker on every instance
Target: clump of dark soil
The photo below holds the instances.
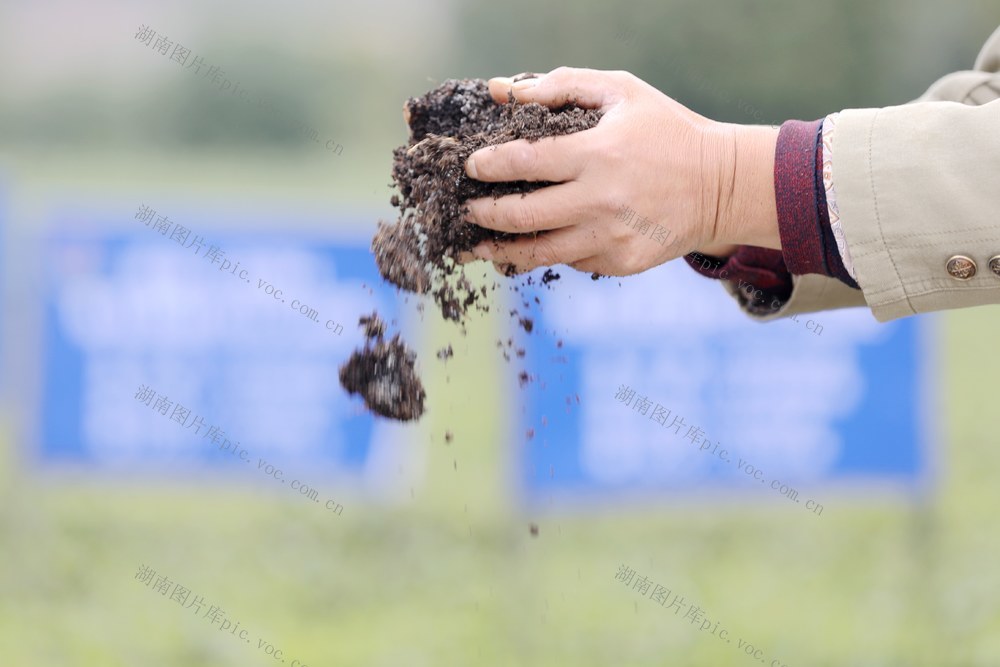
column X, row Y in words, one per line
column 384, row 374
column 419, row 251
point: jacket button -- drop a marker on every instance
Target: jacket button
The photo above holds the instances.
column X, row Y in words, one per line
column 961, row 267
column 995, row 264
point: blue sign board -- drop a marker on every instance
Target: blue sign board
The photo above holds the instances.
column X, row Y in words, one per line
column 657, row 383
column 168, row 343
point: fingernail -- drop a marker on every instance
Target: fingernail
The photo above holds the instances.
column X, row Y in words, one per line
column 470, row 167
column 524, row 84
column 505, row 80
column 482, row 251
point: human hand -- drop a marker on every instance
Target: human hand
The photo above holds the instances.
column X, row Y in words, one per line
column 708, row 184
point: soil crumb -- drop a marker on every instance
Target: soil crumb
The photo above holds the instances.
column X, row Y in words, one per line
column 549, row 276
column 384, row 374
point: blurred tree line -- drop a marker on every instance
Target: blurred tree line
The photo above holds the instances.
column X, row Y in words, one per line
column 755, row 62
column 783, row 58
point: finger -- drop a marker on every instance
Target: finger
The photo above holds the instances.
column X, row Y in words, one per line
column 589, row 88
column 590, row 265
column 500, row 86
column 562, row 246
column 551, row 207
column 556, row 159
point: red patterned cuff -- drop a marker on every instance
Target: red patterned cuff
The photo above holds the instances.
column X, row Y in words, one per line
column 807, row 239
column 796, row 197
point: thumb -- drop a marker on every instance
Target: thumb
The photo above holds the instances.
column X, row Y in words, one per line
column 587, row 88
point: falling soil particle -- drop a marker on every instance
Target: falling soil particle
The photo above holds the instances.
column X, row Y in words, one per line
column 527, row 323
column 373, row 325
column 549, row 276
column 533, row 528
column 445, row 353
column 384, row 374
column 447, row 436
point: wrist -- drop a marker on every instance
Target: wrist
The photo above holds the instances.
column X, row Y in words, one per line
column 747, row 213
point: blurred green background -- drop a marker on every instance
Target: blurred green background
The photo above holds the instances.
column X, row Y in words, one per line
column 448, row 574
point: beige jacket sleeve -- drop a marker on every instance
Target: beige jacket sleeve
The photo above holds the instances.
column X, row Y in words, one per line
column 917, row 185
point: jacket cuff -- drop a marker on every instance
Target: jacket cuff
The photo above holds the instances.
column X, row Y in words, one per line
column 807, row 240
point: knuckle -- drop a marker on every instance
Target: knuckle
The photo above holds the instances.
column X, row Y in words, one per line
column 610, row 201
column 522, row 159
column 523, row 218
